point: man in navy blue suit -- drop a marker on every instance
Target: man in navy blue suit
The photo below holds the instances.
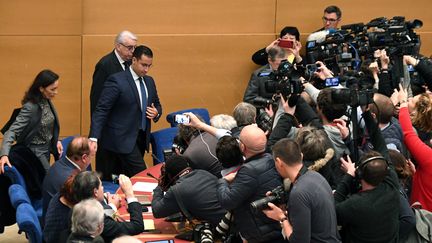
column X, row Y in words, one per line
column 121, row 122
column 78, row 157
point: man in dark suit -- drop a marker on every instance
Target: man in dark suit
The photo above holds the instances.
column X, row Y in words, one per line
column 121, row 122
column 115, row 61
column 78, row 157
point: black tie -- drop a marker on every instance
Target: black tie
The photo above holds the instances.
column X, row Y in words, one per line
column 126, row 65
column 143, row 103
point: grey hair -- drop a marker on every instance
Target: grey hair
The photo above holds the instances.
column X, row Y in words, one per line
column 223, row 121
column 120, row 38
column 244, row 114
column 87, row 217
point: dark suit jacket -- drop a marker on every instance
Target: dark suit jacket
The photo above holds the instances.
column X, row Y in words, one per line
column 106, row 66
column 117, row 118
column 54, row 179
column 113, row 229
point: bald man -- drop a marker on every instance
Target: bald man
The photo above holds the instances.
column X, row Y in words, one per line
column 256, row 177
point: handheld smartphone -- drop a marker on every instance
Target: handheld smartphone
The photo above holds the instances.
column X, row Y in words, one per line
column 286, row 44
column 311, row 68
column 331, row 82
column 410, row 68
column 181, row 119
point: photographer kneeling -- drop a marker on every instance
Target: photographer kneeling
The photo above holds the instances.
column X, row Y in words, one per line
column 311, row 214
column 194, row 191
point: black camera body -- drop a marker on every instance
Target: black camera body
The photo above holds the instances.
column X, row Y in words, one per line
column 277, row 196
column 285, row 80
column 264, row 121
column 352, row 97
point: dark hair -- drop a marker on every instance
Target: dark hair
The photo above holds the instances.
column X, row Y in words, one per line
column 328, row 108
column 186, row 133
column 77, row 147
column 290, row 30
column 288, row 151
column 44, row 79
column 66, row 190
column 334, row 9
column 375, row 170
column 175, row 164
column 142, row 50
column 401, row 166
column 228, row 152
column 84, row 184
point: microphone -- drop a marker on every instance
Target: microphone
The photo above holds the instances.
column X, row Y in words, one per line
column 320, row 36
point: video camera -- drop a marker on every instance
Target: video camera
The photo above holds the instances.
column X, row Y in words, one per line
column 285, row 80
column 277, row 196
column 356, row 94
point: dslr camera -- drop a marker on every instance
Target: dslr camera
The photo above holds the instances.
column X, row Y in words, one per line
column 277, row 196
column 285, row 80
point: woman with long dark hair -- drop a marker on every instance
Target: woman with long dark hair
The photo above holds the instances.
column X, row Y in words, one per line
column 37, row 126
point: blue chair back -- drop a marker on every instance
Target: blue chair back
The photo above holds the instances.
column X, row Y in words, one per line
column 202, row 112
column 161, row 140
column 28, row 222
column 18, row 195
column 65, row 142
column 15, row 176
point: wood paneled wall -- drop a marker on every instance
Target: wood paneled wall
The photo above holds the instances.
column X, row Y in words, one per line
column 202, row 48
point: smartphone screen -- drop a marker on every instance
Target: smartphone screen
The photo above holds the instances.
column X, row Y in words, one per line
column 331, row 82
column 182, row 119
column 286, row 44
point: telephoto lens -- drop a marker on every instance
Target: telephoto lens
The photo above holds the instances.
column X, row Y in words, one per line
column 223, row 227
column 206, row 234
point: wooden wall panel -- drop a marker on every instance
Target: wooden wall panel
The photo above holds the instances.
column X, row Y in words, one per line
column 178, row 17
column 306, row 15
column 41, row 17
column 190, row 71
column 26, row 57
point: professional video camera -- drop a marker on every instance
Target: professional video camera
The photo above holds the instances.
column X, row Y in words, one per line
column 395, row 34
column 285, row 80
column 356, row 93
column 277, row 196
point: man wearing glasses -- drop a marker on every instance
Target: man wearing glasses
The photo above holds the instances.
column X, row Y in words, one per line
column 331, row 18
column 115, row 61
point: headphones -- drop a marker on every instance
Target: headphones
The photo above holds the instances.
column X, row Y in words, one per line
column 360, row 169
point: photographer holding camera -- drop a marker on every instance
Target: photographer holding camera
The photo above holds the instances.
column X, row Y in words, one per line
column 310, row 214
column 196, row 190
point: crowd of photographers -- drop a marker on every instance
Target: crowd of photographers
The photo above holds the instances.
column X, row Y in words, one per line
column 331, row 147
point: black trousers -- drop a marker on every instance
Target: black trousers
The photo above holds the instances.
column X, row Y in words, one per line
column 110, row 163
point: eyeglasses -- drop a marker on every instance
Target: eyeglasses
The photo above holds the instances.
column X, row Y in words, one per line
column 329, row 20
column 130, row 48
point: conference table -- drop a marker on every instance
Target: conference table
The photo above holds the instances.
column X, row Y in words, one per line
column 163, row 230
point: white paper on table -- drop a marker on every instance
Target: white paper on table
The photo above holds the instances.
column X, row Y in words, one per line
column 144, row 186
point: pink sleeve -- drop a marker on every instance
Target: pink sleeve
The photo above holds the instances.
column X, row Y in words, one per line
column 419, row 150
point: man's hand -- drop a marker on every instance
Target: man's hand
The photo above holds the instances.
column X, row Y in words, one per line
column 59, row 148
column 402, row 96
column 113, row 199
column 230, row 177
column 275, row 212
column 409, row 60
column 288, row 109
column 194, row 121
column 151, row 112
column 323, row 72
column 4, row 160
column 126, row 186
column 343, row 129
column 348, row 166
column 385, row 60
column 93, row 145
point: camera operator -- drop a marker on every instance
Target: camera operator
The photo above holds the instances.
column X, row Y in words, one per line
column 256, row 87
column 254, row 178
column 372, row 214
column 423, row 66
column 310, row 215
column 195, row 189
column 288, row 33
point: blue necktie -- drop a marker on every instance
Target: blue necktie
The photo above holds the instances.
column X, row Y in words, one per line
column 143, row 103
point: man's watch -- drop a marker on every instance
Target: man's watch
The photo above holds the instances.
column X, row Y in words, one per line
column 282, row 220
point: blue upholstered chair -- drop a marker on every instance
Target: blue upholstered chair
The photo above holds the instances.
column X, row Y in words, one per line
column 161, row 140
column 202, row 112
column 28, row 222
column 65, row 142
column 18, row 195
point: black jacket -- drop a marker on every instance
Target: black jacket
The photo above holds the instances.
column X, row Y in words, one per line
column 256, row 177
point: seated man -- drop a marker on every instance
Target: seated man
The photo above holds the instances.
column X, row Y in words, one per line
column 87, row 221
column 257, row 176
column 78, row 157
column 194, row 189
column 88, row 185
